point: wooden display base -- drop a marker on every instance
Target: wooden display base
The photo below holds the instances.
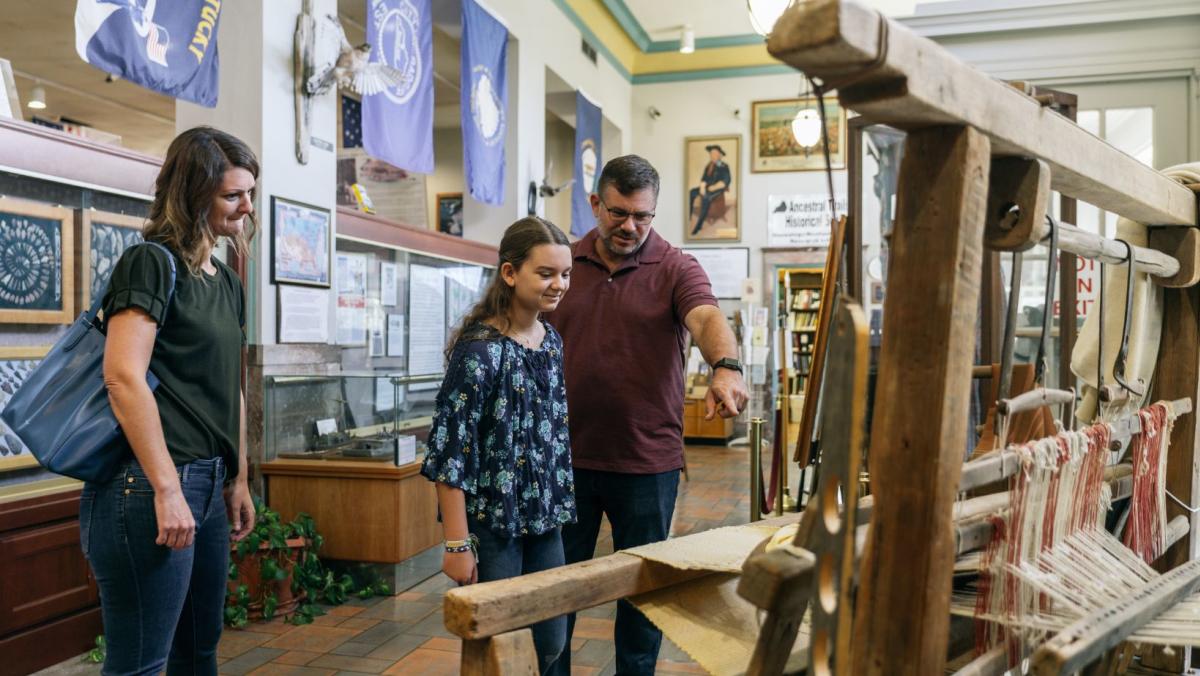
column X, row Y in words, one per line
column 366, row 511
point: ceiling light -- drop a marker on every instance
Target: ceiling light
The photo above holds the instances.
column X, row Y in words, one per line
column 687, row 40
column 806, row 127
column 37, row 98
column 764, row 13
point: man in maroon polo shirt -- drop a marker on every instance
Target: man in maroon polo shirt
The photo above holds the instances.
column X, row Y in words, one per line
column 634, row 298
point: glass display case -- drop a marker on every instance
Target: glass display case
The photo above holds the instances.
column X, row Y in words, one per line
column 368, row 416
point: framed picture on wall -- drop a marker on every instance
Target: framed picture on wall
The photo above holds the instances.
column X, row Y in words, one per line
column 37, row 263
column 712, row 188
column 450, row 213
column 776, row 125
column 103, row 237
column 302, row 241
column 16, row 363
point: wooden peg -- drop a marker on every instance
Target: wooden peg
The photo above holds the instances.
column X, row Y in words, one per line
column 1183, row 244
column 1018, row 196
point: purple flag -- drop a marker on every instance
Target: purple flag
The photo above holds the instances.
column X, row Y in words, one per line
column 484, row 102
column 398, row 122
column 587, row 164
column 169, row 47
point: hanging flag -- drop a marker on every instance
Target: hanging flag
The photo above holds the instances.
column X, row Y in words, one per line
column 397, row 123
column 351, row 123
column 587, row 164
column 484, row 102
column 170, row 47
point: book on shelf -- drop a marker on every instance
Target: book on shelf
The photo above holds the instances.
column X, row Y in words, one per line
column 806, row 299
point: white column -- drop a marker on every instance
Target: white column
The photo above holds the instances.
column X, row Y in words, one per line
column 256, row 104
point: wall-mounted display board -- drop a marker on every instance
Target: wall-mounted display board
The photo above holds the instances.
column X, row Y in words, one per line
column 103, row 237
column 726, row 268
column 16, row 363
column 37, row 263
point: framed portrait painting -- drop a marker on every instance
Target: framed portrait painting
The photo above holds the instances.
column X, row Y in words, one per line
column 450, row 213
column 37, row 263
column 712, row 190
column 302, row 241
column 103, row 237
column 786, row 135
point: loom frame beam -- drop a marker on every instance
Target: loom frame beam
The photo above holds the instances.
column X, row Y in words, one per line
column 910, row 82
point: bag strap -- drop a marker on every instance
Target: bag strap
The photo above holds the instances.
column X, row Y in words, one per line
column 96, row 302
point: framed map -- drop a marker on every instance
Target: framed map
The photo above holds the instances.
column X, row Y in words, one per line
column 107, row 236
column 302, row 240
column 16, row 363
column 37, row 263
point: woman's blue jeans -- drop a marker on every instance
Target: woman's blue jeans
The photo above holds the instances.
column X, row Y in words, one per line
column 503, row 557
column 162, row 607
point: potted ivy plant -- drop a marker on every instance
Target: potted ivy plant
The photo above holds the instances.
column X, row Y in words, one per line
column 275, row 571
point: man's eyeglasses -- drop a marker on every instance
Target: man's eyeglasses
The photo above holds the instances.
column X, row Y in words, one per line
column 619, row 215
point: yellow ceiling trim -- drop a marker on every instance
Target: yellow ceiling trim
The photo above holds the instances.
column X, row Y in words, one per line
column 607, row 30
column 704, row 59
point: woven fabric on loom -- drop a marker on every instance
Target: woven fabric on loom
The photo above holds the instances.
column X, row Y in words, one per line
column 1050, row 560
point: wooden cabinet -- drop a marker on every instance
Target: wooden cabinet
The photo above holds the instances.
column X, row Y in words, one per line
column 696, row 428
column 49, row 604
column 366, row 511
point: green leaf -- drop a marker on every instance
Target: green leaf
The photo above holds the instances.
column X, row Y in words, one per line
column 270, row 603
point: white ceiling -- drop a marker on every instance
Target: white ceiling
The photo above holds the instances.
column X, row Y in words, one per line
column 716, row 18
column 37, row 36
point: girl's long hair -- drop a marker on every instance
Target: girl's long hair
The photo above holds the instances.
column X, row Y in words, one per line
column 519, row 239
column 191, row 175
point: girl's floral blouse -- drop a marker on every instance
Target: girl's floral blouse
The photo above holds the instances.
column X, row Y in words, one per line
column 500, row 432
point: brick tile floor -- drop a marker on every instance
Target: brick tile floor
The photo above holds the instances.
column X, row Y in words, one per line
column 404, row 634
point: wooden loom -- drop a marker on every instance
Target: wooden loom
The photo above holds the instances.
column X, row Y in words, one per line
column 971, row 141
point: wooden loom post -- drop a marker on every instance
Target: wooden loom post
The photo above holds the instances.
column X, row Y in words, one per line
column 922, row 399
column 1176, row 375
column 510, row 654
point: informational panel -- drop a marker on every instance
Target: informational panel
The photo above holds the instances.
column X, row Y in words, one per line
column 427, row 325
column 726, row 268
column 303, row 314
column 801, row 220
column 351, row 299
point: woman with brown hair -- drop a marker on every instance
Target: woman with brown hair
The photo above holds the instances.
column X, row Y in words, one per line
column 499, row 448
column 157, row 534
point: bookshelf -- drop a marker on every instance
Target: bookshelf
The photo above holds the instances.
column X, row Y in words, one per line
column 798, row 305
column 799, row 296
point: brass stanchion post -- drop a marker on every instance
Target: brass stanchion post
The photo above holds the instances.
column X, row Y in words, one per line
column 756, row 489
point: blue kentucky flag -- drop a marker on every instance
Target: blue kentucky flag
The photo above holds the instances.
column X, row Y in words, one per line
column 587, row 164
column 169, row 46
column 398, row 122
column 484, row 102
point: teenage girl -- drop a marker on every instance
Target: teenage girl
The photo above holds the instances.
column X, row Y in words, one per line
column 499, row 449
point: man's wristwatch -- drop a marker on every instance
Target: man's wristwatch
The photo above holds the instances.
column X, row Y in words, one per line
column 728, row 363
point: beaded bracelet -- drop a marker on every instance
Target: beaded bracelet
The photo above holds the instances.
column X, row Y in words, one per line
column 458, row 546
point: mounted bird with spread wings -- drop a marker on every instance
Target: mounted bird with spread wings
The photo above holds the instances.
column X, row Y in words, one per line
column 348, row 66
